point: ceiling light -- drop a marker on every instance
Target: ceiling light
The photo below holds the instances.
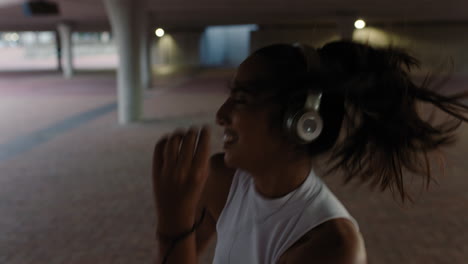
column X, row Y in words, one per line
column 359, row 24
column 14, row 37
column 159, row 32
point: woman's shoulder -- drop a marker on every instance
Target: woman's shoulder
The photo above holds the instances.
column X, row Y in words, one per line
column 334, row 241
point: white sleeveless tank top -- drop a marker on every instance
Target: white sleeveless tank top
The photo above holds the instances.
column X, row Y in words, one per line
column 254, row 230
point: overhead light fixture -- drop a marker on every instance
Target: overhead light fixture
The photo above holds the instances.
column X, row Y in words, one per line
column 11, row 37
column 14, row 36
column 159, row 32
column 360, row 24
column 40, row 8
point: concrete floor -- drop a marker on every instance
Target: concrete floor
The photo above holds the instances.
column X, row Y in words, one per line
column 75, row 186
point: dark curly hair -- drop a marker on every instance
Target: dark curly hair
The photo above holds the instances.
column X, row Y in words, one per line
column 370, row 89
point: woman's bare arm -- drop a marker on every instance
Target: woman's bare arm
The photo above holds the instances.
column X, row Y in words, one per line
column 334, row 242
column 205, row 233
column 213, row 199
column 180, row 170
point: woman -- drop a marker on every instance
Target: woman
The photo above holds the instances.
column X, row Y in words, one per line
column 289, row 104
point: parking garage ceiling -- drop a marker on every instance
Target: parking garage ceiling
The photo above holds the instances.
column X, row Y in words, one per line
column 91, row 14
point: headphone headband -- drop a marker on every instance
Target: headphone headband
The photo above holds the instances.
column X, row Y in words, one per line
column 305, row 124
column 313, row 101
column 312, row 59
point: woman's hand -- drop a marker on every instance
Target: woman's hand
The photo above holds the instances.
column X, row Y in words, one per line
column 180, row 170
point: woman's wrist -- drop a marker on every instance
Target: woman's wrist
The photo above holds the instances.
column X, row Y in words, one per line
column 172, row 226
column 169, row 230
column 170, row 238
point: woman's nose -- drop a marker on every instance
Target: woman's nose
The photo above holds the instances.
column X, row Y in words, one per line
column 223, row 114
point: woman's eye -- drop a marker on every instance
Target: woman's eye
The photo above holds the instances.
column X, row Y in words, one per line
column 238, row 99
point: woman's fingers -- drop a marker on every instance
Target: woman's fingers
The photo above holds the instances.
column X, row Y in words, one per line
column 171, row 153
column 158, row 157
column 180, row 157
column 187, row 150
column 202, row 154
column 180, row 170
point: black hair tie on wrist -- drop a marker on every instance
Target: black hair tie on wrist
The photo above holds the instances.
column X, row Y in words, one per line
column 180, row 237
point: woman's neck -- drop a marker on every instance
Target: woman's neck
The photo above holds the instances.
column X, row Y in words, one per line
column 278, row 177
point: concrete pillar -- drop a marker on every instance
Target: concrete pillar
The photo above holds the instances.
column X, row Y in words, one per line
column 58, row 49
column 346, row 26
column 125, row 17
column 145, row 53
column 65, row 31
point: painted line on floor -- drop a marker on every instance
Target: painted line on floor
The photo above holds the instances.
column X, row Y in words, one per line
column 27, row 142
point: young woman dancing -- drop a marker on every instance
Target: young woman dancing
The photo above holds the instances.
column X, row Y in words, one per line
column 288, row 104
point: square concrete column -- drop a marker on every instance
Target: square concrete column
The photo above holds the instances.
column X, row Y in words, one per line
column 64, row 30
column 126, row 21
column 58, row 50
column 147, row 38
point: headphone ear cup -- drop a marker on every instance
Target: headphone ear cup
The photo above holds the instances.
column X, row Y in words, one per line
column 309, row 126
column 289, row 123
column 303, row 126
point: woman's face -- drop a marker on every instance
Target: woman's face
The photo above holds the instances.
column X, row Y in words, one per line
column 250, row 140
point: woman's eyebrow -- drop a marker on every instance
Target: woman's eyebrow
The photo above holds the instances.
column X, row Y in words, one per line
column 235, row 87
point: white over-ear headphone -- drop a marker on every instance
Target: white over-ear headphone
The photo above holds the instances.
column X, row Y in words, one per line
column 304, row 124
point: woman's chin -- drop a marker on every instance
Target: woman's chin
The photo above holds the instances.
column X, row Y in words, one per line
column 228, row 159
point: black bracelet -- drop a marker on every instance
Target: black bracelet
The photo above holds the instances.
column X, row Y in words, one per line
column 181, row 236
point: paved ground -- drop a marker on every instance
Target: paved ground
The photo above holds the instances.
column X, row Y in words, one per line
column 75, row 186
